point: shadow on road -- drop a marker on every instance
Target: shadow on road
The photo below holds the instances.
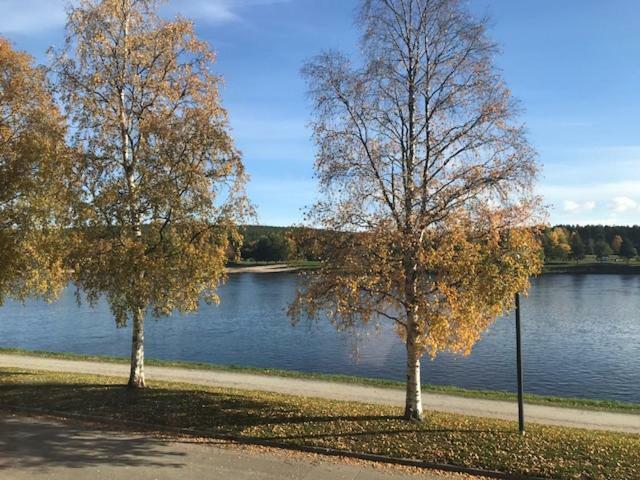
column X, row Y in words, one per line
column 26, row 444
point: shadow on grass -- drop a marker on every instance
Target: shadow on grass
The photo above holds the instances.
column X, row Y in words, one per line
column 213, row 414
column 187, row 409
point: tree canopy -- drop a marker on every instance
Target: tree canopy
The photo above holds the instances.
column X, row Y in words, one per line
column 34, row 181
column 578, row 248
column 162, row 182
column 601, row 249
column 427, row 178
column 627, row 249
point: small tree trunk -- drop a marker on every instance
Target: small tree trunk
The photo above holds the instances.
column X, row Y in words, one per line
column 413, row 405
column 136, row 377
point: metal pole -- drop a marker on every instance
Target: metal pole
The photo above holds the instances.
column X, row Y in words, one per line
column 519, row 366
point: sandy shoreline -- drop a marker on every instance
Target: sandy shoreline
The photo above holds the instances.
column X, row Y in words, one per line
column 275, row 268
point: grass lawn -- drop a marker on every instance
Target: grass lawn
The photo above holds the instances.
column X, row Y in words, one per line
column 545, row 451
column 581, row 403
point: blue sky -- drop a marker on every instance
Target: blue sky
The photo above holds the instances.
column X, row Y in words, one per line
column 573, row 64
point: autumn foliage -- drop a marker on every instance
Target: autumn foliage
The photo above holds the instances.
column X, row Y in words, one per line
column 162, row 184
column 34, row 181
column 427, row 180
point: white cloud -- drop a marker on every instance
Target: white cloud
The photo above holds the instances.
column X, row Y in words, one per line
column 32, row 16
column 598, row 190
column 606, row 202
column 216, row 11
column 624, row 204
column 571, row 206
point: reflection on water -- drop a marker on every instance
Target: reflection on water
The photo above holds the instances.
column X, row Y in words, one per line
column 581, row 337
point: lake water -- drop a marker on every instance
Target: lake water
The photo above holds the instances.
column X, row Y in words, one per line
column 581, row 337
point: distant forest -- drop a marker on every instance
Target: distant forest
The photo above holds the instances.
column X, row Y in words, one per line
column 561, row 243
column 572, row 242
column 266, row 244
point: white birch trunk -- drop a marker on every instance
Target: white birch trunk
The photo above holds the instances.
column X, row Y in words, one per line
column 136, row 377
column 413, row 404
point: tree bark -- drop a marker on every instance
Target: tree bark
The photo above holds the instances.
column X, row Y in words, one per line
column 413, row 401
column 136, row 377
column 413, row 405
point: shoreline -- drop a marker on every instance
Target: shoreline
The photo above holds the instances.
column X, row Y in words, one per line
column 587, row 268
column 275, row 268
column 591, row 268
column 293, row 266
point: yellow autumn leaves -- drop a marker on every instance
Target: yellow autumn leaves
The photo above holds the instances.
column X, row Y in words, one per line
column 34, row 174
column 138, row 203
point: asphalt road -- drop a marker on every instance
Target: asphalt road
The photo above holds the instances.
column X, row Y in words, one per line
column 37, row 449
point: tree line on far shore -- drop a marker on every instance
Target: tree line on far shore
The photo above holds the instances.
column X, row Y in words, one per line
column 572, row 242
column 561, row 243
column 266, row 244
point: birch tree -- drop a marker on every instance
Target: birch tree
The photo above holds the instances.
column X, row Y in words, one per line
column 162, row 181
column 427, row 178
column 34, row 170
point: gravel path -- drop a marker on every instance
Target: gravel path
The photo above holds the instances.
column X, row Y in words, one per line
column 338, row 391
